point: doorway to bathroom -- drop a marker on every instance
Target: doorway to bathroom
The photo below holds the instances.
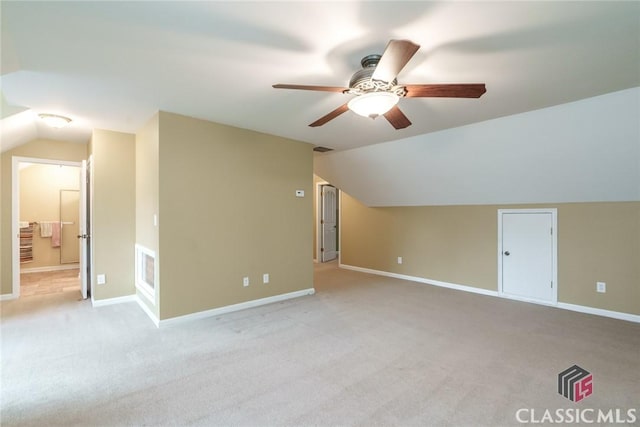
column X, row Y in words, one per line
column 49, row 220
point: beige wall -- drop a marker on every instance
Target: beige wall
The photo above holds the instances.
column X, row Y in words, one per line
column 40, row 187
column 41, row 149
column 600, row 242
column 228, row 210
column 113, row 235
column 458, row 244
column 147, row 192
column 70, row 218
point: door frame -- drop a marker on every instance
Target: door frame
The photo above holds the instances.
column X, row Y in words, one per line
column 318, row 225
column 15, row 212
column 554, row 253
column 323, row 223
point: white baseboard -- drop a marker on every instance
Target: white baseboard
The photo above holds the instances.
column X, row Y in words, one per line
column 422, row 280
column 49, row 268
column 111, row 301
column 573, row 307
column 600, row 312
column 235, row 307
column 7, row 297
column 529, row 300
column 147, row 310
column 201, row 314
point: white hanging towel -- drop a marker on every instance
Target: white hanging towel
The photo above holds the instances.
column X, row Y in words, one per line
column 24, row 224
column 45, row 229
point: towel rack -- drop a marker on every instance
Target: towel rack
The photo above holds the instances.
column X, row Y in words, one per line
column 61, row 222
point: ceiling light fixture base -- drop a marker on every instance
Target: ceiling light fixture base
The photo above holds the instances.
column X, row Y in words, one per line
column 55, row 120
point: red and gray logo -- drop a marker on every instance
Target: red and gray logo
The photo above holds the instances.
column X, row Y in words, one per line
column 575, row 383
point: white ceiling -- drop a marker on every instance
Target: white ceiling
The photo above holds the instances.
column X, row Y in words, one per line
column 112, row 65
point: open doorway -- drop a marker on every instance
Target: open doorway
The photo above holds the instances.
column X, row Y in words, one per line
column 326, row 224
column 48, row 220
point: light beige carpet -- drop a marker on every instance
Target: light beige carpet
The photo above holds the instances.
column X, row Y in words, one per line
column 365, row 350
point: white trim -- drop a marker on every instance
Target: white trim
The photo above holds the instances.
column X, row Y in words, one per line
column 600, row 312
column 145, row 289
column 336, row 192
column 7, row 297
column 455, row 286
column 529, row 300
column 318, row 226
column 15, row 231
column 562, row 305
column 235, row 307
column 147, row 310
column 340, row 228
column 554, row 254
column 90, row 247
column 49, row 268
column 111, row 301
column 15, row 211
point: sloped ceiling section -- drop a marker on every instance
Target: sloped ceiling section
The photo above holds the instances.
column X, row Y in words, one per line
column 583, row 151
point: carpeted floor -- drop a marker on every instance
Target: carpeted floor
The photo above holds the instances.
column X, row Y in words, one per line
column 364, row 351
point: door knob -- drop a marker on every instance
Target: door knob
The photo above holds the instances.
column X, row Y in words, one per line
column 507, row 253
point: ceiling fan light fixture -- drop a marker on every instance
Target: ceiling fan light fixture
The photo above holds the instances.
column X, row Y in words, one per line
column 54, row 120
column 373, row 104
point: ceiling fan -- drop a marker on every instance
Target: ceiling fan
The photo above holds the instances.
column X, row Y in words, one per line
column 377, row 91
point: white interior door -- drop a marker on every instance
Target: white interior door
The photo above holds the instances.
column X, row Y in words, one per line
column 528, row 255
column 83, row 231
column 328, row 222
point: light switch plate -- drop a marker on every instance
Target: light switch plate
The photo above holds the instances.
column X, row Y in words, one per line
column 299, row 193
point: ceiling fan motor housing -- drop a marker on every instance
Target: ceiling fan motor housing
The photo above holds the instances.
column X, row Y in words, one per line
column 362, row 83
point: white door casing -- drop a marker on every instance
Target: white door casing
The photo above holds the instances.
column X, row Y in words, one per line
column 82, row 230
column 527, row 254
column 328, row 223
column 15, row 211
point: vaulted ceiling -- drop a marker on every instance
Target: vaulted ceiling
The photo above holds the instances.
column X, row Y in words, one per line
column 112, row 65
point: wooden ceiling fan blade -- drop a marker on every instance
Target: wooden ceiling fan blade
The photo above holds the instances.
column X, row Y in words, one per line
column 397, row 118
column 306, row 87
column 455, row 90
column 332, row 115
column 394, row 58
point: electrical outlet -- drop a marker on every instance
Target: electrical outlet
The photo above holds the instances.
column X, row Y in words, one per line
column 245, row 281
column 265, row 278
column 601, row 287
column 399, row 260
column 101, row 279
